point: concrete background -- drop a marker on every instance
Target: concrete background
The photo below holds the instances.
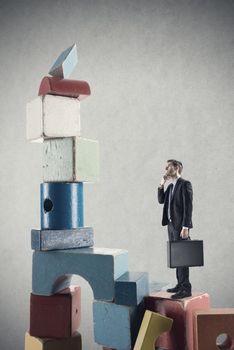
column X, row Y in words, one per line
column 161, row 74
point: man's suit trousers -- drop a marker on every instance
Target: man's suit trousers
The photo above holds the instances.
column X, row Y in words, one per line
column 182, row 273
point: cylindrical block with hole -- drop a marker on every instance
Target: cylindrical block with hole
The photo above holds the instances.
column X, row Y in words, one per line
column 61, row 205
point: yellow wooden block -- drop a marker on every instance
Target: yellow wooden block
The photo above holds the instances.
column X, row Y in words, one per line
column 153, row 324
column 32, row 343
column 71, row 343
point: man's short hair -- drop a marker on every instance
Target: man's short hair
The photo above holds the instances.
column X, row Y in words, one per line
column 176, row 164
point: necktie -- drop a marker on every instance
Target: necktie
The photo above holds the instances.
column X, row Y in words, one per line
column 169, row 201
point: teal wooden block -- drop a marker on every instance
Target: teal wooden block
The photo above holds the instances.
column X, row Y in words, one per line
column 70, row 159
column 52, row 270
column 116, row 326
column 131, row 288
column 65, row 63
column 62, row 239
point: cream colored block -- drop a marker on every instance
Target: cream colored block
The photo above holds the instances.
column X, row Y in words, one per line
column 33, row 343
column 72, row 159
column 153, row 324
column 72, row 343
column 52, row 116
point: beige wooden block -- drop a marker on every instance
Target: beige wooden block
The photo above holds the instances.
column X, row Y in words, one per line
column 52, row 116
column 71, row 343
column 33, row 343
column 153, row 324
column 71, row 159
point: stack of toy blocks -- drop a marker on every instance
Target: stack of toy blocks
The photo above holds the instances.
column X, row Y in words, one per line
column 63, row 246
column 68, row 161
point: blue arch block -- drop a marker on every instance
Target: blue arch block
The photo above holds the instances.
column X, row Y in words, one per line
column 52, row 270
column 61, row 205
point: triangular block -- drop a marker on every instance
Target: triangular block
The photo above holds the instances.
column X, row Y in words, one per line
column 65, row 63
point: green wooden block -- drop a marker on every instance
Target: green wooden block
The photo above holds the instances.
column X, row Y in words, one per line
column 71, row 159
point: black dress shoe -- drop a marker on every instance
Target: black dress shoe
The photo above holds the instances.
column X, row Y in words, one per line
column 174, row 290
column 181, row 294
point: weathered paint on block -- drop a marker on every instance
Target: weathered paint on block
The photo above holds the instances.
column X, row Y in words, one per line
column 62, row 239
column 71, row 343
column 61, row 205
column 181, row 311
column 52, row 116
column 65, row 63
column 209, row 324
column 64, row 87
column 131, row 288
column 116, row 326
column 56, row 316
column 71, row 159
column 52, row 270
column 152, row 326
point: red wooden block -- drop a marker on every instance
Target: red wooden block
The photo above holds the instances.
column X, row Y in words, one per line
column 180, row 336
column 208, row 325
column 56, row 316
column 64, row 87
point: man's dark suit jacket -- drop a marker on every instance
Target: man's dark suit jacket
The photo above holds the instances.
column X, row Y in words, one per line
column 181, row 204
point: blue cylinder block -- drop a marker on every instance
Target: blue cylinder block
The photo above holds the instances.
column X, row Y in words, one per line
column 61, row 205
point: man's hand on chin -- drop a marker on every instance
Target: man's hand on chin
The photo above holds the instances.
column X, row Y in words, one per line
column 184, row 233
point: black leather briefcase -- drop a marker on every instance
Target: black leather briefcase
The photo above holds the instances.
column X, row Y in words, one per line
column 185, row 253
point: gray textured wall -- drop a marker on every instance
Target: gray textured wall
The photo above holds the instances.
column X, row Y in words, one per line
column 161, row 74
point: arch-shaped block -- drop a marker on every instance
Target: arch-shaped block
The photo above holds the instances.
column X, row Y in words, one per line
column 152, row 326
column 52, row 270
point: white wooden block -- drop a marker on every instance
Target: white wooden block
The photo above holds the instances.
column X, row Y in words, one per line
column 52, row 116
column 72, row 159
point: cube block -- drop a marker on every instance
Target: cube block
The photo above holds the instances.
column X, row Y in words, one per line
column 181, row 311
column 153, row 324
column 61, row 205
column 131, row 288
column 71, row 343
column 64, row 87
column 209, row 325
column 52, row 270
column 65, row 63
column 61, row 239
column 116, row 326
column 52, row 117
column 72, row 159
column 56, row 316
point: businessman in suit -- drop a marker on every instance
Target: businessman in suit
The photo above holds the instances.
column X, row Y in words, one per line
column 177, row 215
